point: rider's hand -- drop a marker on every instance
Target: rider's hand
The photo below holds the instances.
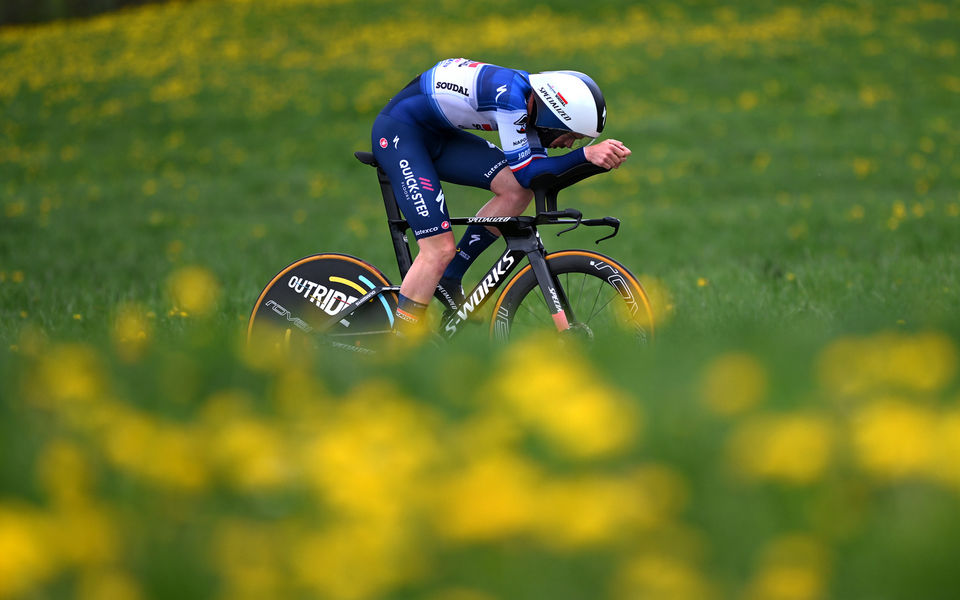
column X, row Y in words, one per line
column 608, row 154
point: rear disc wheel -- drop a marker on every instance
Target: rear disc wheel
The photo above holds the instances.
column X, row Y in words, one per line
column 305, row 297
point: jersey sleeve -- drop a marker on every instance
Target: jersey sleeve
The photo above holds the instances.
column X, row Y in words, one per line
column 526, row 157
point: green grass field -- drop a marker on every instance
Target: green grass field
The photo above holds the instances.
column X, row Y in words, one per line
column 792, row 202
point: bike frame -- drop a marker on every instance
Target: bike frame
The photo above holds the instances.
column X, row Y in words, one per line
column 520, row 234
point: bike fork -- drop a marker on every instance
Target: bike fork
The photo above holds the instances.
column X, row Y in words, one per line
column 553, row 294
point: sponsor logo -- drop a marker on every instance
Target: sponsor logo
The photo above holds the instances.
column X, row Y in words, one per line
column 329, row 300
column 426, row 184
column 494, row 169
column 490, row 282
column 440, row 200
column 447, row 297
column 419, row 232
column 617, row 281
column 445, row 225
column 452, row 87
column 283, row 312
column 554, row 104
column 396, row 140
column 488, row 220
column 563, row 100
column 500, row 91
column 412, row 189
column 383, row 142
column 520, row 142
column 556, row 299
column 474, row 239
column 521, row 124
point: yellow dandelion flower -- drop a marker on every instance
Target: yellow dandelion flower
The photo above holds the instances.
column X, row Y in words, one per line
column 26, row 559
column 946, row 465
column 107, row 583
column 564, row 403
column 492, row 497
column 748, row 100
column 375, row 447
column 661, row 576
column 862, row 167
column 894, row 439
column 924, row 362
column 69, row 373
column 702, row 282
column 194, row 290
column 790, row 448
column 250, row 453
column 792, row 567
column 734, row 383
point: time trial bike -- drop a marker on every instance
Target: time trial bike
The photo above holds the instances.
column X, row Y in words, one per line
column 345, row 302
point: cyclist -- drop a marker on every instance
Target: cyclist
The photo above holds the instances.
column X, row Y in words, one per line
column 418, row 139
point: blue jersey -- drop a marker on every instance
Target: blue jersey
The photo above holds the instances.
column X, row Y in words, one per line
column 464, row 94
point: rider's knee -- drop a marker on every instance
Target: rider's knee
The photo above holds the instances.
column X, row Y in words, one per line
column 517, row 198
column 440, row 250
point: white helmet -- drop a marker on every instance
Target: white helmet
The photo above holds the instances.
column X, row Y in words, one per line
column 569, row 101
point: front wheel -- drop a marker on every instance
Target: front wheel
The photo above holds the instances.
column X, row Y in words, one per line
column 603, row 300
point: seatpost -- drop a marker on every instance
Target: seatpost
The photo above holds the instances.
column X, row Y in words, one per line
column 396, row 223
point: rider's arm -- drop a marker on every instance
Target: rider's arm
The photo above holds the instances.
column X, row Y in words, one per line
column 525, row 156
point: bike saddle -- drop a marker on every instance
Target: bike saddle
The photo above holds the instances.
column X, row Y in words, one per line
column 366, row 158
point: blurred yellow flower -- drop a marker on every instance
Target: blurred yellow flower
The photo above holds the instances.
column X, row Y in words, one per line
column 491, row 497
column 193, row 290
column 791, row 567
column 661, row 299
column 924, row 362
column 250, row 454
column 576, row 412
column 862, row 166
column 163, row 453
column 26, row 558
column 107, row 584
column 69, row 373
column 356, row 560
column 371, row 454
column 946, row 466
column 460, row 594
column 661, row 577
column 246, row 574
column 734, row 383
column 596, row 510
column 747, row 100
column 793, row 448
column 131, row 332
column 893, row 438
column 64, row 473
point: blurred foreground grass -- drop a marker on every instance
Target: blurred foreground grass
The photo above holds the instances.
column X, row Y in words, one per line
column 792, row 199
column 201, row 468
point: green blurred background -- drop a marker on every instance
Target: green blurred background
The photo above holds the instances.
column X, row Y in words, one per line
column 792, row 204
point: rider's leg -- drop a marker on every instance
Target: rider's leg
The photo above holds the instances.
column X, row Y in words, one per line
column 510, row 199
column 434, row 256
column 421, row 280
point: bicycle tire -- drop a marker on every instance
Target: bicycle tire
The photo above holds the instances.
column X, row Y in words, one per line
column 307, row 293
column 604, row 297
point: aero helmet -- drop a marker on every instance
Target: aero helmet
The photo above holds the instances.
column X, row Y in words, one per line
column 569, row 101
